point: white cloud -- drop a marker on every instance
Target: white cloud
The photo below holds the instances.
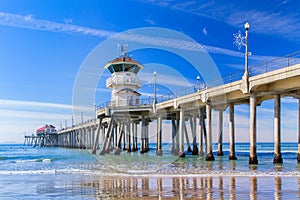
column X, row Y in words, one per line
column 165, row 79
column 30, row 104
column 150, row 21
column 17, row 117
column 278, row 19
column 68, row 21
column 28, row 22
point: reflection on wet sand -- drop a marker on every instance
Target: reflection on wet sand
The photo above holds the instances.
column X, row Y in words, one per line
column 209, row 187
column 253, row 187
column 277, row 189
column 232, row 188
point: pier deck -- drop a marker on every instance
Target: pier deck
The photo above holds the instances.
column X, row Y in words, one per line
column 118, row 125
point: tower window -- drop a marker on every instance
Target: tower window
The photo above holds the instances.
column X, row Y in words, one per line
column 111, row 69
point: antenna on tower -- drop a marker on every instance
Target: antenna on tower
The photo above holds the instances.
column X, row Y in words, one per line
column 122, row 49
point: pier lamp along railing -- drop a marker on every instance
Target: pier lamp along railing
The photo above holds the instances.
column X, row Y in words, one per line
column 239, row 41
column 155, row 100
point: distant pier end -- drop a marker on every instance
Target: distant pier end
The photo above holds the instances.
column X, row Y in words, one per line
column 45, row 136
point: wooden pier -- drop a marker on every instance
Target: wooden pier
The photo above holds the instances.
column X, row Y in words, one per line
column 46, row 140
column 126, row 127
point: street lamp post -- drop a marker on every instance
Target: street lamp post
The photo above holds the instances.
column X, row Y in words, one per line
column 154, row 101
column 247, row 25
column 149, row 99
column 198, row 81
column 154, row 74
column 95, row 105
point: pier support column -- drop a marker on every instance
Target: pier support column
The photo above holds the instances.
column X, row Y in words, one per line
column 200, row 135
column 147, row 137
column 103, row 134
column 88, row 137
column 105, row 143
column 298, row 155
column 96, row 140
column 119, row 138
column 231, row 133
column 209, row 154
column 174, row 137
column 177, row 132
column 277, row 134
column 128, row 134
column 181, row 134
column 84, row 137
column 142, row 145
column 133, row 136
column 93, row 136
column 159, row 135
column 117, row 128
column 187, row 139
column 124, row 136
column 253, row 156
column 136, row 135
column 81, row 138
column 193, row 122
column 220, row 139
column 74, row 138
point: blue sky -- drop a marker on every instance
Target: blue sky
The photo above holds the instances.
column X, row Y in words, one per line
column 44, row 43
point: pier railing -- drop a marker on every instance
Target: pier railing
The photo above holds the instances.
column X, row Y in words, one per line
column 277, row 63
column 264, row 67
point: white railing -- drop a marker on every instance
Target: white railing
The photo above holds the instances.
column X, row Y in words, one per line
column 123, row 80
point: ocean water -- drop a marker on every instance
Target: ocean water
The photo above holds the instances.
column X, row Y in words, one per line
column 61, row 173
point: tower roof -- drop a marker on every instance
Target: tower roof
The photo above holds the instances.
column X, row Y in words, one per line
column 123, row 64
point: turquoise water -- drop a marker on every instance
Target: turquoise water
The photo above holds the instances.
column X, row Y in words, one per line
column 60, row 173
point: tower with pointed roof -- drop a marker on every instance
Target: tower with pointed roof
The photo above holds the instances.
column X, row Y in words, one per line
column 124, row 81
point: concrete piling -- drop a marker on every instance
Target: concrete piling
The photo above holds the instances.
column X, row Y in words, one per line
column 231, row 133
column 209, row 154
column 277, row 131
column 220, row 134
column 253, row 156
